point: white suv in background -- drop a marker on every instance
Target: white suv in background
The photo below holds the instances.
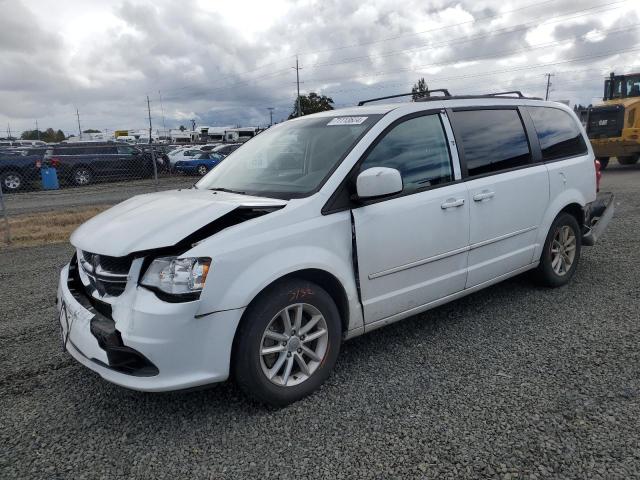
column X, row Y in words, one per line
column 321, row 229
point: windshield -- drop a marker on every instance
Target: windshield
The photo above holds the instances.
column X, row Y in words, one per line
column 291, row 159
column 633, row 86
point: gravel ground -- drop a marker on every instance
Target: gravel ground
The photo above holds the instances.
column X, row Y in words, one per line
column 515, row 381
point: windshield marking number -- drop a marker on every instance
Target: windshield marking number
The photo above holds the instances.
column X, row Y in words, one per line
column 347, row 121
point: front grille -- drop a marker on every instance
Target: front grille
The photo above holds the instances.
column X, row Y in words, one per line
column 107, row 275
column 605, row 121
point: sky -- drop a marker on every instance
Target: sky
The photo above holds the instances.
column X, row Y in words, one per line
column 224, row 62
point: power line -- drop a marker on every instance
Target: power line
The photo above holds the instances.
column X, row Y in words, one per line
column 387, row 39
column 452, row 62
column 283, row 71
column 465, row 39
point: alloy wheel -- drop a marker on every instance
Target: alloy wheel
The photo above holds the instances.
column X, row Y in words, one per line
column 294, row 344
column 12, row 181
column 563, row 250
column 202, row 170
column 82, row 177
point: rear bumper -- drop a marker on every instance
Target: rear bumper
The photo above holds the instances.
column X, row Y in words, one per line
column 598, row 214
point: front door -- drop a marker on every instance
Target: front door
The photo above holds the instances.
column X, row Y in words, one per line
column 412, row 248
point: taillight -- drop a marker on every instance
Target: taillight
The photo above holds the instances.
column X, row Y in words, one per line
column 598, row 174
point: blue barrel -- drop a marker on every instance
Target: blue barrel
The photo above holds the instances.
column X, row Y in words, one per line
column 49, row 178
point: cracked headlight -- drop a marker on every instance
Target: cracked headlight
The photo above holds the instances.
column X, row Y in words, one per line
column 183, row 277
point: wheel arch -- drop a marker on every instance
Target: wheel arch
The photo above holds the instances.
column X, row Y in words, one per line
column 324, row 279
column 576, row 211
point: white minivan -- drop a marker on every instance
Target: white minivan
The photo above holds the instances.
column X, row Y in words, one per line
column 321, row 229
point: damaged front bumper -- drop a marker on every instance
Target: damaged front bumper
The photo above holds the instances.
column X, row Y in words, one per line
column 597, row 216
column 141, row 342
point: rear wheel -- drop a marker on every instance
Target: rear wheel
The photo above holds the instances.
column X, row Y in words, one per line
column 81, row 176
column 288, row 342
column 561, row 252
column 628, row 160
column 604, row 161
column 12, row 181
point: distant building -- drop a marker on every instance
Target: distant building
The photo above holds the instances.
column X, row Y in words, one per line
column 241, row 134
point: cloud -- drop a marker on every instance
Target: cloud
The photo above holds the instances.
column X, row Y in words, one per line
column 105, row 58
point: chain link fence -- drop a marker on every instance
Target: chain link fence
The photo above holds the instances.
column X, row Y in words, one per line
column 46, row 191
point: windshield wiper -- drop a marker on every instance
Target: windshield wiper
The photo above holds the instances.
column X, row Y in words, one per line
column 228, row 190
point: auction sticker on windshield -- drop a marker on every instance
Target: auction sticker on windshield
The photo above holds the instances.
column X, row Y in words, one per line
column 347, row 121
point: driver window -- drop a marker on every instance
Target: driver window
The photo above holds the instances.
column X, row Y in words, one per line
column 418, row 149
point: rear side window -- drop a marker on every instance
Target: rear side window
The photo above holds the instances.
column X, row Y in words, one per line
column 418, row 149
column 492, row 140
column 557, row 132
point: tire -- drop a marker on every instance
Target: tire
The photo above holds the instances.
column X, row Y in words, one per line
column 552, row 270
column 12, row 181
column 202, row 170
column 263, row 327
column 604, row 162
column 81, row 176
column 628, row 160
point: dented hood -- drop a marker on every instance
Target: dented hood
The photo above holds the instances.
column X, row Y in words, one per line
column 158, row 220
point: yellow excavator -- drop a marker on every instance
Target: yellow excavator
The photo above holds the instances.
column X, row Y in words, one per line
column 613, row 126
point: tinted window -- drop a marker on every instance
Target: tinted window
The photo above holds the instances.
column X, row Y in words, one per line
column 557, row 132
column 125, row 150
column 492, row 140
column 418, row 149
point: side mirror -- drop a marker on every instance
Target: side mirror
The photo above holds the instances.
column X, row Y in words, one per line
column 378, row 181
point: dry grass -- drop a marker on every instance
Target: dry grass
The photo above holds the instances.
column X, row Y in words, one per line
column 34, row 229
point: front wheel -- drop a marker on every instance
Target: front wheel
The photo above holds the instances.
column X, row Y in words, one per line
column 288, row 342
column 561, row 252
column 202, row 170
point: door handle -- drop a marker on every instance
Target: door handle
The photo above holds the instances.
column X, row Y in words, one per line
column 452, row 203
column 484, row 195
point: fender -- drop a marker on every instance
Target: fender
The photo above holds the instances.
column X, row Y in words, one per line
column 566, row 197
column 236, row 279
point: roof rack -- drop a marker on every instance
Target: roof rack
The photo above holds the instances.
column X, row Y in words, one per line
column 512, row 92
column 444, row 91
column 447, row 96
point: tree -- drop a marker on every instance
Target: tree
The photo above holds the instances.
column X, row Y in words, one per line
column 312, row 103
column 420, row 90
column 91, row 130
column 182, row 128
column 48, row 135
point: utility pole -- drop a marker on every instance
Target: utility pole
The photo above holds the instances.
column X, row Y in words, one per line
column 164, row 126
column 153, row 153
column 548, row 75
column 270, row 115
column 9, row 131
column 37, row 130
column 79, row 127
column 298, row 86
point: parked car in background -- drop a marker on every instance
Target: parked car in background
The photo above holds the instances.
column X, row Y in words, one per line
column 199, row 164
column 209, row 146
column 182, row 154
column 226, row 149
column 82, row 164
column 19, row 169
column 160, row 153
